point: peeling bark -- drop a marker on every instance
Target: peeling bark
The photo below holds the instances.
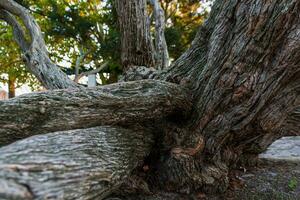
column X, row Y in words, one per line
column 161, row 48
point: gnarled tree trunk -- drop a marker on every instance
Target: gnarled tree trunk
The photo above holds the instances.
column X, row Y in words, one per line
column 242, row 71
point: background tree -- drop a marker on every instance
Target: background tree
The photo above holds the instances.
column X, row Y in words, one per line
column 83, row 37
column 13, row 70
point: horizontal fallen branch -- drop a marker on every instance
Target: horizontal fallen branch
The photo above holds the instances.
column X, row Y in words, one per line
column 78, row 164
column 122, row 103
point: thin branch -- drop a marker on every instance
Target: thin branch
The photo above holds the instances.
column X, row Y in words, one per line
column 94, row 71
column 19, row 34
column 162, row 54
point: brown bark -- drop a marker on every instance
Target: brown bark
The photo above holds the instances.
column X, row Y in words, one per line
column 243, row 68
column 11, row 87
column 136, row 44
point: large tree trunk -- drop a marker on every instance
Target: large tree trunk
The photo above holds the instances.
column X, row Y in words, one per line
column 136, row 43
column 243, row 72
column 243, row 68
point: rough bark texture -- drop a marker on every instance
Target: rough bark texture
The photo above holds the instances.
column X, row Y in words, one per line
column 136, row 43
column 78, row 164
column 243, row 72
column 122, row 103
column 243, row 67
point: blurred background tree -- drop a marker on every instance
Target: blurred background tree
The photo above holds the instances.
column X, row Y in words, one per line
column 82, row 35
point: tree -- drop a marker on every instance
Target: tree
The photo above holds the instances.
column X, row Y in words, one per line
column 136, row 43
column 226, row 99
column 13, row 68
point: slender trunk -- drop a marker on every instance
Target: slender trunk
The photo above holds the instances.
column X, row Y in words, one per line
column 11, row 86
column 161, row 48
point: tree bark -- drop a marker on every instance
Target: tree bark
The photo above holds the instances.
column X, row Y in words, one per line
column 242, row 70
column 136, row 43
column 161, row 48
column 11, row 86
column 77, row 164
column 127, row 103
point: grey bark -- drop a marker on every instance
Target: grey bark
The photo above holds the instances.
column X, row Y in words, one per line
column 243, row 69
column 243, row 72
column 75, row 164
column 125, row 103
column 161, row 48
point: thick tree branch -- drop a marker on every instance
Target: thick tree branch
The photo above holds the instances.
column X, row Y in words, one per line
column 123, row 103
column 18, row 31
column 77, row 164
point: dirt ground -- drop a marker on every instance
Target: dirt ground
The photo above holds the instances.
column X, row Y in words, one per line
column 269, row 182
column 280, row 181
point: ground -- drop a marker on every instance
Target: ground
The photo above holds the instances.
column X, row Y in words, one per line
column 280, row 182
column 276, row 177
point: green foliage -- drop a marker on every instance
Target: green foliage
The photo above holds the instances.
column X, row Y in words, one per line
column 11, row 65
column 293, row 183
column 183, row 18
column 74, row 26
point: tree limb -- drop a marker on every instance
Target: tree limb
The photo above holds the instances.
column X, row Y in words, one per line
column 162, row 54
column 35, row 53
column 126, row 103
column 78, row 164
column 18, row 31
